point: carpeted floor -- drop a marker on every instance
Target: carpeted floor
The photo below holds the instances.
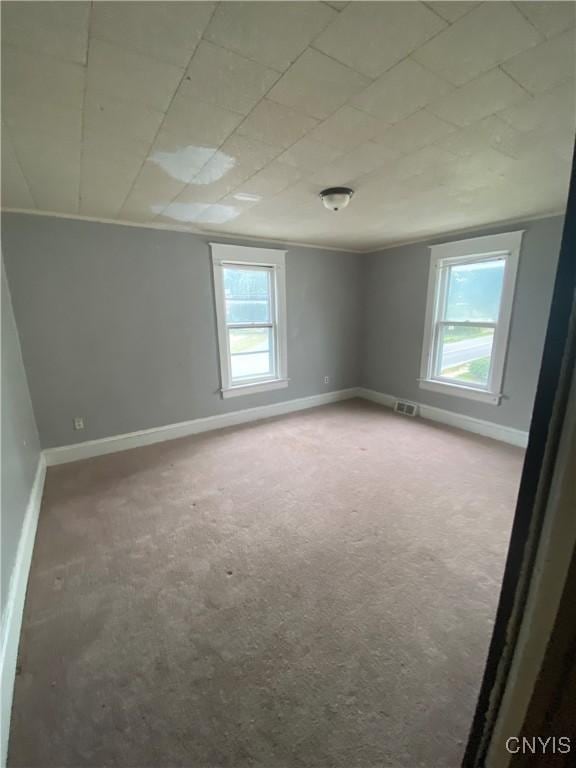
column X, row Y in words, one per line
column 313, row 591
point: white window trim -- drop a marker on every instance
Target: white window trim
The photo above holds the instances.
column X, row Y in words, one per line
column 223, row 254
column 463, row 251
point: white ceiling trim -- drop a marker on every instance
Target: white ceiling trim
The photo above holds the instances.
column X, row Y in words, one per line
column 186, row 229
column 240, row 239
column 468, row 230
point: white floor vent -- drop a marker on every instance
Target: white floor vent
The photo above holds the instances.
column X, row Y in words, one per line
column 407, row 409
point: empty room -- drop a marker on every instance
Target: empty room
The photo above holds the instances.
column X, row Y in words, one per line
column 286, row 369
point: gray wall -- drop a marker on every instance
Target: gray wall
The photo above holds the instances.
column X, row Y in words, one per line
column 395, row 286
column 20, row 444
column 118, row 325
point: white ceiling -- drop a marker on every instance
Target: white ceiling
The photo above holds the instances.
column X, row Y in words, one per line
column 441, row 115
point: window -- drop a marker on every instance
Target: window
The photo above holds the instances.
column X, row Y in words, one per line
column 250, row 295
column 470, row 295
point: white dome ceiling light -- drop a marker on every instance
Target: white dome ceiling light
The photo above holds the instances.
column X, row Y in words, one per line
column 336, row 198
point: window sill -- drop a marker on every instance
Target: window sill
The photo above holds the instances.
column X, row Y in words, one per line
column 255, row 388
column 460, row 391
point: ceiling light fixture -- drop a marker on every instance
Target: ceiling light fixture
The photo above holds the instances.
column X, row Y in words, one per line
column 335, row 198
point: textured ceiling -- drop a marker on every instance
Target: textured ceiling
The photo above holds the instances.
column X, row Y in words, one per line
column 231, row 117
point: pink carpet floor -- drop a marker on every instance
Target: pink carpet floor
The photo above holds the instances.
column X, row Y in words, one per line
column 312, row 591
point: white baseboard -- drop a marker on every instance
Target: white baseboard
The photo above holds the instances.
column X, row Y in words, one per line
column 468, row 423
column 90, row 448
column 377, row 397
column 12, row 619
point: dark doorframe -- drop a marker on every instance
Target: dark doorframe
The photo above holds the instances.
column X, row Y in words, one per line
column 552, row 709
column 541, row 454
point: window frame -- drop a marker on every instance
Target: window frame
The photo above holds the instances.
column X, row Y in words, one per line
column 468, row 251
column 274, row 261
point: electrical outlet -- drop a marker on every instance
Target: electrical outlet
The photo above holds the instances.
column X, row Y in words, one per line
column 326, row 379
column 78, row 422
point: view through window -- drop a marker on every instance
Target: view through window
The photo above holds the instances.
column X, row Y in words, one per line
column 469, row 308
column 466, row 330
column 250, row 298
column 249, row 301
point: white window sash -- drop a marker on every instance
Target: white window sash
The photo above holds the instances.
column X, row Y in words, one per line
column 273, row 261
column 434, row 368
column 272, row 325
column 473, row 251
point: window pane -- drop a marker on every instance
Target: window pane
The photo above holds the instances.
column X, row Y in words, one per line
column 247, row 295
column 465, row 354
column 251, row 352
column 474, row 291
